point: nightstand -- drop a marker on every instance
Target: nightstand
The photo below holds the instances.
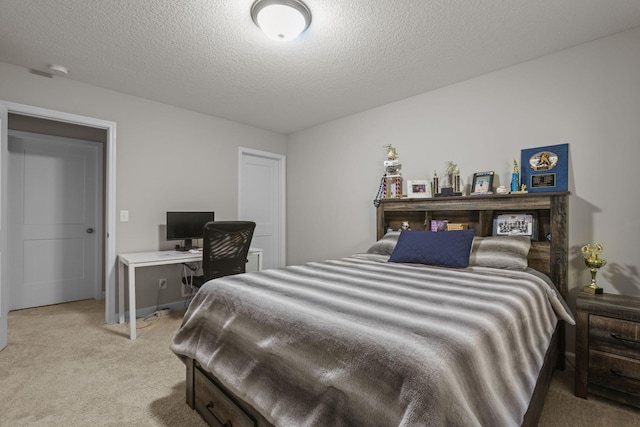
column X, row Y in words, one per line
column 608, row 347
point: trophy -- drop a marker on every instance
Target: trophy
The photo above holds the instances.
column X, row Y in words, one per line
column 594, row 262
column 391, row 182
column 516, row 188
column 453, row 183
column 515, row 177
column 392, row 176
column 435, row 185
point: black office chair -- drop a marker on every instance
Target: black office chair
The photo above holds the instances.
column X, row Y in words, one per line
column 225, row 248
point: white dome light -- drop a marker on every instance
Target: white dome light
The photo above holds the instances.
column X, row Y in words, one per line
column 281, row 20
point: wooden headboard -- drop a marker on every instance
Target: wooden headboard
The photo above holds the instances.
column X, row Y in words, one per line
column 548, row 249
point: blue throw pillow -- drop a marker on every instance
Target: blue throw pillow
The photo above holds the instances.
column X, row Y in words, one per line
column 446, row 249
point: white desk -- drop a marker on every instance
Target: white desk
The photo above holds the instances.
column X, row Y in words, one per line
column 150, row 259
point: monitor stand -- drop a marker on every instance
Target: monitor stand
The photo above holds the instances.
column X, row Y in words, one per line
column 188, row 245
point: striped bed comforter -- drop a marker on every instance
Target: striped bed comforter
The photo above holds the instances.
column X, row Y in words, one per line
column 362, row 342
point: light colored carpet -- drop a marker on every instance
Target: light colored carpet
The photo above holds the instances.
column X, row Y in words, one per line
column 65, row 367
column 563, row 409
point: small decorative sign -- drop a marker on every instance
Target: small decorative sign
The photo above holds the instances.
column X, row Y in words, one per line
column 545, row 169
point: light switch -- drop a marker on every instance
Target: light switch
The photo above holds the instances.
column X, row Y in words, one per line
column 124, row 216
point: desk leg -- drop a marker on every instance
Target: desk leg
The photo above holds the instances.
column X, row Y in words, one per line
column 121, row 292
column 132, row 301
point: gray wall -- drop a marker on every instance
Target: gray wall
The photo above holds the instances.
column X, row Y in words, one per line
column 168, row 158
column 587, row 96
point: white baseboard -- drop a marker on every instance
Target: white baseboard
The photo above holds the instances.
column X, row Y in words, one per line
column 146, row 311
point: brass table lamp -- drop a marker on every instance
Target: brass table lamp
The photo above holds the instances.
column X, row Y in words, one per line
column 594, row 262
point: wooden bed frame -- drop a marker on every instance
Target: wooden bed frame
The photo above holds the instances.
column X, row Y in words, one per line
column 548, row 254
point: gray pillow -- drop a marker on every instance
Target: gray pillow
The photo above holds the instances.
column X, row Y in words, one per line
column 508, row 252
column 386, row 245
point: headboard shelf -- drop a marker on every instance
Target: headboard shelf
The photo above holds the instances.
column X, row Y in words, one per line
column 550, row 209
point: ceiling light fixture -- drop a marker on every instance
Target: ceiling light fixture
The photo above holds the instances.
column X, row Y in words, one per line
column 281, row 20
column 58, row 69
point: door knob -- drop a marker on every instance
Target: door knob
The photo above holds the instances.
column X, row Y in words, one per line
column 89, row 230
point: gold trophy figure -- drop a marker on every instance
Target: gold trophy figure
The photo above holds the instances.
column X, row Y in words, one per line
column 594, row 262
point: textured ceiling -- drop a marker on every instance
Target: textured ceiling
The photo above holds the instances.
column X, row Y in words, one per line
column 208, row 56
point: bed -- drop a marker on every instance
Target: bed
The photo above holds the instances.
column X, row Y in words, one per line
column 379, row 338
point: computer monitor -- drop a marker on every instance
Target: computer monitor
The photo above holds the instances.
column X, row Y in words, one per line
column 187, row 226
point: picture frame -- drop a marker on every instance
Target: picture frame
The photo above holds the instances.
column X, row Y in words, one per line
column 545, row 169
column 516, row 224
column 482, row 183
column 418, row 188
column 439, row 224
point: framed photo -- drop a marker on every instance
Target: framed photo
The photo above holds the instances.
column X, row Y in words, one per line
column 482, row 183
column 439, row 224
column 417, row 188
column 516, row 224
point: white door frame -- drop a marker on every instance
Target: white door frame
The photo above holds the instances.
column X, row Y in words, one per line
column 4, row 161
column 282, row 181
column 109, row 232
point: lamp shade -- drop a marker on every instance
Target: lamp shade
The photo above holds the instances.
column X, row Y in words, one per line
column 281, row 20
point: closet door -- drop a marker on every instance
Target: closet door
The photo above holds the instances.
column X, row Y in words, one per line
column 262, row 199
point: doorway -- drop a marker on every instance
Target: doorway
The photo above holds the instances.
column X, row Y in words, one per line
column 109, row 218
column 54, row 219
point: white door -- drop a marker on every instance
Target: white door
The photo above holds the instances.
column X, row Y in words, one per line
column 4, row 173
column 54, row 216
column 262, row 200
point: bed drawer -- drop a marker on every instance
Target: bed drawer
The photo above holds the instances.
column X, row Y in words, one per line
column 215, row 406
column 616, row 336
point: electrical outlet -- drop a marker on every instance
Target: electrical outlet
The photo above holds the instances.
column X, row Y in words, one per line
column 162, row 283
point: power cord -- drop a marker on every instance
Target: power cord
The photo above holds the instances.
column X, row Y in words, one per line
column 189, row 298
column 187, row 280
column 157, row 313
